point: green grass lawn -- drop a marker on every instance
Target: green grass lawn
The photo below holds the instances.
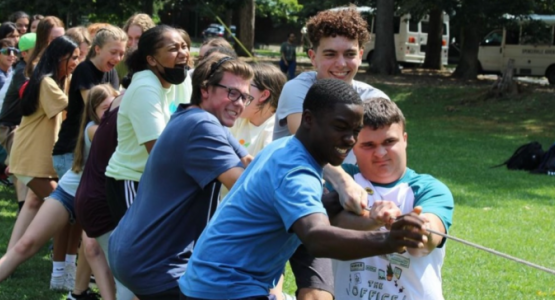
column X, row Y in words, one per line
column 456, row 136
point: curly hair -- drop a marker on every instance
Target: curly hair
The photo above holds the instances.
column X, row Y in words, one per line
column 331, row 23
column 142, row 20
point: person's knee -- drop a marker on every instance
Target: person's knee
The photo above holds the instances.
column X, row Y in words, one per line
column 313, row 294
column 92, row 249
column 26, row 246
column 33, row 203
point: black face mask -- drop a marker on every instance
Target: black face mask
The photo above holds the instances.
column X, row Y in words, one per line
column 175, row 75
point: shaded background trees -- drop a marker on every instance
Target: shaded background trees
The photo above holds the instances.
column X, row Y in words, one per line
column 470, row 20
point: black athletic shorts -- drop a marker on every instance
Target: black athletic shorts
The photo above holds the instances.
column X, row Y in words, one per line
column 171, row 294
column 311, row 272
column 120, row 195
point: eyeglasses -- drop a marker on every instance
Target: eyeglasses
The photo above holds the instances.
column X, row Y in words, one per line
column 234, row 94
column 9, row 51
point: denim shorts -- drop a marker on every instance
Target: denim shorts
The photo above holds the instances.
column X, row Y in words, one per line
column 62, row 163
column 67, row 200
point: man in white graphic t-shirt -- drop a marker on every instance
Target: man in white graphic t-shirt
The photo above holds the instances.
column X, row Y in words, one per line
column 393, row 189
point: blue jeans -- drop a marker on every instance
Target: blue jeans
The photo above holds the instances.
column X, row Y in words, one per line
column 67, row 200
column 289, row 69
column 62, row 163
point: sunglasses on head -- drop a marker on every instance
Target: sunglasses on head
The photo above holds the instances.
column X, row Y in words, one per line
column 9, row 51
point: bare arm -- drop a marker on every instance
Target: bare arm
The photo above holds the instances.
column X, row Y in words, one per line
column 85, row 94
column 351, row 194
column 323, row 240
column 433, row 222
column 246, row 160
column 229, row 177
column 149, row 145
column 91, row 131
column 383, row 213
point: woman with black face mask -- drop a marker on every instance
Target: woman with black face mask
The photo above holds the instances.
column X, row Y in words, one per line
column 158, row 68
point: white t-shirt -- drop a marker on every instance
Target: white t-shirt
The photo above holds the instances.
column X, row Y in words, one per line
column 295, row 90
column 143, row 114
column 70, row 180
column 394, row 276
column 252, row 137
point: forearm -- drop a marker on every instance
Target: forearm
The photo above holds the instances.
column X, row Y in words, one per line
column 348, row 220
column 331, row 204
column 336, row 176
column 343, row 244
column 433, row 239
column 351, row 195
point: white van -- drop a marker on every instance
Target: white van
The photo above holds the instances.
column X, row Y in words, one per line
column 411, row 36
column 531, row 45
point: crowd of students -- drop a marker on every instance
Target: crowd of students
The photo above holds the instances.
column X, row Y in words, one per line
column 119, row 144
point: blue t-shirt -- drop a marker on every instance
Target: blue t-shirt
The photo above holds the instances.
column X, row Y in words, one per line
column 177, row 196
column 244, row 249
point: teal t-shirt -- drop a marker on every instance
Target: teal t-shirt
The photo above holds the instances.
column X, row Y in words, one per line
column 411, row 189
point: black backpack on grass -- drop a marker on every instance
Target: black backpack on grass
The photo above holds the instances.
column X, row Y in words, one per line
column 547, row 164
column 526, row 157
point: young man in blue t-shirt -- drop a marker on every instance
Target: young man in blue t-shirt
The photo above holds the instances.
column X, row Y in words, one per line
column 277, row 204
column 393, row 190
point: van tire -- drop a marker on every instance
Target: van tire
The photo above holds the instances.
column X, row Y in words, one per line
column 550, row 74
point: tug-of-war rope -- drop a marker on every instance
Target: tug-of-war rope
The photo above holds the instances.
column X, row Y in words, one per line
column 495, row 252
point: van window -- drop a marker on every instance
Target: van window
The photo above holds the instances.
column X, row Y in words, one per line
column 512, row 36
column 425, row 26
column 493, row 39
column 396, row 24
column 413, row 25
column 536, row 33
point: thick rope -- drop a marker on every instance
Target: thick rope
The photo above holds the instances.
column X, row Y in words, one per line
column 495, row 252
column 518, row 260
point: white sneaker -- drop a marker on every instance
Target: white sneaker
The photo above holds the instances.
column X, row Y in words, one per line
column 57, row 283
column 70, row 277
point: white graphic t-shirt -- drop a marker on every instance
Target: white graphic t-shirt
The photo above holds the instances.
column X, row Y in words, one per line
column 398, row 276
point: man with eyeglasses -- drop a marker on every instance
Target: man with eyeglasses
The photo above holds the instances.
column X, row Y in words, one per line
column 178, row 191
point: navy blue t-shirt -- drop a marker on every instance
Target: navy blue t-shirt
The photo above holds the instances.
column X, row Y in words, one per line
column 178, row 194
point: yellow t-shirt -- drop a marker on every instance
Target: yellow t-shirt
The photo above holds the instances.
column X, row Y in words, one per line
column 34, row 139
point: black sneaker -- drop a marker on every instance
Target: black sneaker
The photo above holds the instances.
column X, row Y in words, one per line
column 86, row 295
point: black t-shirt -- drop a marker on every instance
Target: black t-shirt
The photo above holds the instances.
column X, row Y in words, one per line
column 11, row 108
column 85, row 77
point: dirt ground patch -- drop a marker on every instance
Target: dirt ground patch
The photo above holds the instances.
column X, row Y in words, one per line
column 422, row 78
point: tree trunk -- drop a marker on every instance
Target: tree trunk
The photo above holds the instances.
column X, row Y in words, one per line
column 468, row 62
column 384, row 60
column 245, row 29
column 435, row 39
column 228, row 17
column 505, row 85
